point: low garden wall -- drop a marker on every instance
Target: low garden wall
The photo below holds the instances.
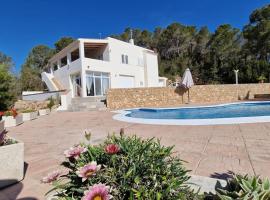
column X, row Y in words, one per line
column 30, row 105
column 199, row 94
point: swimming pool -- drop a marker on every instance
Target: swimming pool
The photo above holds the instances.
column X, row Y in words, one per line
column 233, row 113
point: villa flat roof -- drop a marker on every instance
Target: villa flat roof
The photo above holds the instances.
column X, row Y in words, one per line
column 92, row 43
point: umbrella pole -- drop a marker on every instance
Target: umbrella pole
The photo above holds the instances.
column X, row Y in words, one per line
column 188, row 95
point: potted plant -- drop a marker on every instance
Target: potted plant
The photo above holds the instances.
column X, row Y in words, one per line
column 44, row 111
column 29, row 114
column 12, row 160
column 261, row 79
column 12, row 118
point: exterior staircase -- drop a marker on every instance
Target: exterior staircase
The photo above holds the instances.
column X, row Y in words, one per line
column 87, row 104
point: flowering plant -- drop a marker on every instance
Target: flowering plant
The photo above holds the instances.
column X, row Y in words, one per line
column 122, row 168
column 74, row 152
column 1, row 114
column 4, row 140
column 112, row 149
column 11, row 112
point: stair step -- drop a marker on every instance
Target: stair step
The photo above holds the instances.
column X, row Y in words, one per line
column 89, row 99
column 87, row 104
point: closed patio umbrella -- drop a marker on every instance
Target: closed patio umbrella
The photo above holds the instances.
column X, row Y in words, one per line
column 187, row 81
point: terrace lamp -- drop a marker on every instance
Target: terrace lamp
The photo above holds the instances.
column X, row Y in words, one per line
column 236, row 76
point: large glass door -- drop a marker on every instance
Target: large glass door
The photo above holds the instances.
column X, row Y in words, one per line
column 97, row 83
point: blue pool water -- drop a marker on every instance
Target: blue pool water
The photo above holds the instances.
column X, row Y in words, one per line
column 224, row 111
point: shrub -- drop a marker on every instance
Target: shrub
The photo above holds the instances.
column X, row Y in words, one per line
column 51, row 103
column 122, row 167
column 261, row 78
column 28, row 111
column 7, row 86
column 245, row 188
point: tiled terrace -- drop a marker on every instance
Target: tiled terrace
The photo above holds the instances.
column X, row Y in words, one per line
column 209, row 150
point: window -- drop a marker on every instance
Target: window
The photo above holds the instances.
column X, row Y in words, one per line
column 75, row 55
column 63, row 61
column 97, row 83
column 55, row 67
column 124, row 59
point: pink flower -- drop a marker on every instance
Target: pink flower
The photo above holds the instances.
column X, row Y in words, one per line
column 97, row 192
column 75, row 152
column 112, row 149
column 53, row 176
column 88, row 170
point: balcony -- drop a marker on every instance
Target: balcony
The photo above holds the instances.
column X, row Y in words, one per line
column 97, row 51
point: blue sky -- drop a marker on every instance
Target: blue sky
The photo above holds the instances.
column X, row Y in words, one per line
column 26, row 23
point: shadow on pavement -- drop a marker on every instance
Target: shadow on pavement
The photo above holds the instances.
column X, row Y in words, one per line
column 10, row 189
column 224, row 176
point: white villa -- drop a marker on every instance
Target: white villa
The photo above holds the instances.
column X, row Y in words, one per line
column 88, row 67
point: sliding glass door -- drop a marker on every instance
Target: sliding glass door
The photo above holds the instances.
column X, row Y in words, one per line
column 97, row 83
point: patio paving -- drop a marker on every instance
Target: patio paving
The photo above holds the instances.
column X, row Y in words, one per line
column 209, row 150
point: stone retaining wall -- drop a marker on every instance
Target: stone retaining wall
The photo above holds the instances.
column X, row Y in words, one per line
column 199, row 94
column 30, row 105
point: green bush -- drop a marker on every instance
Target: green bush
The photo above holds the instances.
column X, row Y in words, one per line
column 261, row 78
column 133, row 169
column 7, row 96
column 28, row 111
column 245, row 188
column 51, row 103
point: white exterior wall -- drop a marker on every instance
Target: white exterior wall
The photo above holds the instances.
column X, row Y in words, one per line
column 115, row 70
column 151, row 69
column 117, row 48
column 63, row 73
column 142, row 64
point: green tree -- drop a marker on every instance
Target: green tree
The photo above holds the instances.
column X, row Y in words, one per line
column 62, row 43
column 176, row 46
column 257, row 33
column 223, row 54
column 256, row 50
column 212, row 57
column 7, row 83
column 35, row 63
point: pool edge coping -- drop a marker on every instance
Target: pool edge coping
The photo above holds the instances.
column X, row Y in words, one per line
column 121, row 116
